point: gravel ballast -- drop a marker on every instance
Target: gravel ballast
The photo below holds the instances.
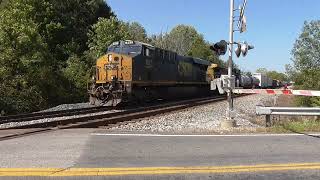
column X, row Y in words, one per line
column 205, row 118
column 16, row 124
column 69, row 107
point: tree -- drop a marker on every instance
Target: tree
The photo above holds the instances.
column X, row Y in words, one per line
column 200, row 49
column 273, row 74
column 24, row 58
column 262, row 70
column 160, row 40
column 186, row 41
column 181, row 38
column 277, row 75
column 42, row 52
column 3, row 3
column 306, row 61
column 75, row 18
column 105, row 32
column 137, row 32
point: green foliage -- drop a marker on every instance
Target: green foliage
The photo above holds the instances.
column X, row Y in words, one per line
column 3, row 3
column 137, row 32
column 306, row 62
column 200, row 49
column 180, row 39
column 273, row 74
column 23, row 54
column 303, row 125
column 186, row 41
column 39, row 42
column 77, row 73
column 262, row 70
column 277, row 75
column 105, row 32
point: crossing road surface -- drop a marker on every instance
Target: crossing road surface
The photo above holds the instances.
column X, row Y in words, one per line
column 97, row 154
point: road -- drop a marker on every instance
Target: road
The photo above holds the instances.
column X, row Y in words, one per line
column 83, row 153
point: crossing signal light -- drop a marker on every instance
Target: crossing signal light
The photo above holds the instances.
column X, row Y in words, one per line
column 238, row 50
column 243, row 48
column 220, row 47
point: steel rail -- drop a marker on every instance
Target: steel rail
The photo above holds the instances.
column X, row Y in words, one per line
column 50, row 114
column 104, row 120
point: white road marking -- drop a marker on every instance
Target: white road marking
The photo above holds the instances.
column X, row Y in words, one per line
column 199, row 135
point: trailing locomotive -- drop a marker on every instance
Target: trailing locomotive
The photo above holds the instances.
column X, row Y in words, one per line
column 137, row 71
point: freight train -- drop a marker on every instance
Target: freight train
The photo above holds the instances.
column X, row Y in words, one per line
column 136, row 71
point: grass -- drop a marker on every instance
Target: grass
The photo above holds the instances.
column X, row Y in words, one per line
column 295, row 126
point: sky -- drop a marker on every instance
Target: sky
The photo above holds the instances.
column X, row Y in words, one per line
column 272, row 25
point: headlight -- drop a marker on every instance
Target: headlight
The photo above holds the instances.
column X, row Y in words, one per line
column 109, row 57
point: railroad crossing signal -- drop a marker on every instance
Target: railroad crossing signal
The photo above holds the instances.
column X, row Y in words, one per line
column 220, row 47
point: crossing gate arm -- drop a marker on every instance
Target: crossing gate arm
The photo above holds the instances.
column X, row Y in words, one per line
column 278, row 91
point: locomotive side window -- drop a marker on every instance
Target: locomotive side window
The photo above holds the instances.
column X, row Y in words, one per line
column 148, row 52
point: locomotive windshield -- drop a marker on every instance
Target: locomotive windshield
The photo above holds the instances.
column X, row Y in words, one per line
column 123, row 47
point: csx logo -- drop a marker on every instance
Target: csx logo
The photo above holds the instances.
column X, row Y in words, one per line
column 111, row 66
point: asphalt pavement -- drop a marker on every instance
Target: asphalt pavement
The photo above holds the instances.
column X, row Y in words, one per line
column 97, row 154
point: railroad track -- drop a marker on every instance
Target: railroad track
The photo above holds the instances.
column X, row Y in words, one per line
column 50, row 114
column 109, row 119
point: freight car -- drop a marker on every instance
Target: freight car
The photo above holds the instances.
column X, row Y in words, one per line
column 137, row 71
column 265, row 81
column 249, row 81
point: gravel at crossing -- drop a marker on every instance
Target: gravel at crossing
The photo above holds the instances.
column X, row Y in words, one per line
column 206, row 118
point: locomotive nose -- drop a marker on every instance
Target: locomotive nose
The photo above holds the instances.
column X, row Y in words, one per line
column 108, row 68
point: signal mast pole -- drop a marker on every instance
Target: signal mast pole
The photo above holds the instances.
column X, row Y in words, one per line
column 229, row 122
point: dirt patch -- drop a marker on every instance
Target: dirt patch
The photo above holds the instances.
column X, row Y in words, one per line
column 285, row 101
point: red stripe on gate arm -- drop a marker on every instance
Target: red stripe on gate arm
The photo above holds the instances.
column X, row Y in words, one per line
column 307, row 93
column 270, row 91
column 256, row 91
column 287, row 92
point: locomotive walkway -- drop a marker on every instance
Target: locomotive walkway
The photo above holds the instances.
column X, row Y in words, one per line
column 85, row 153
